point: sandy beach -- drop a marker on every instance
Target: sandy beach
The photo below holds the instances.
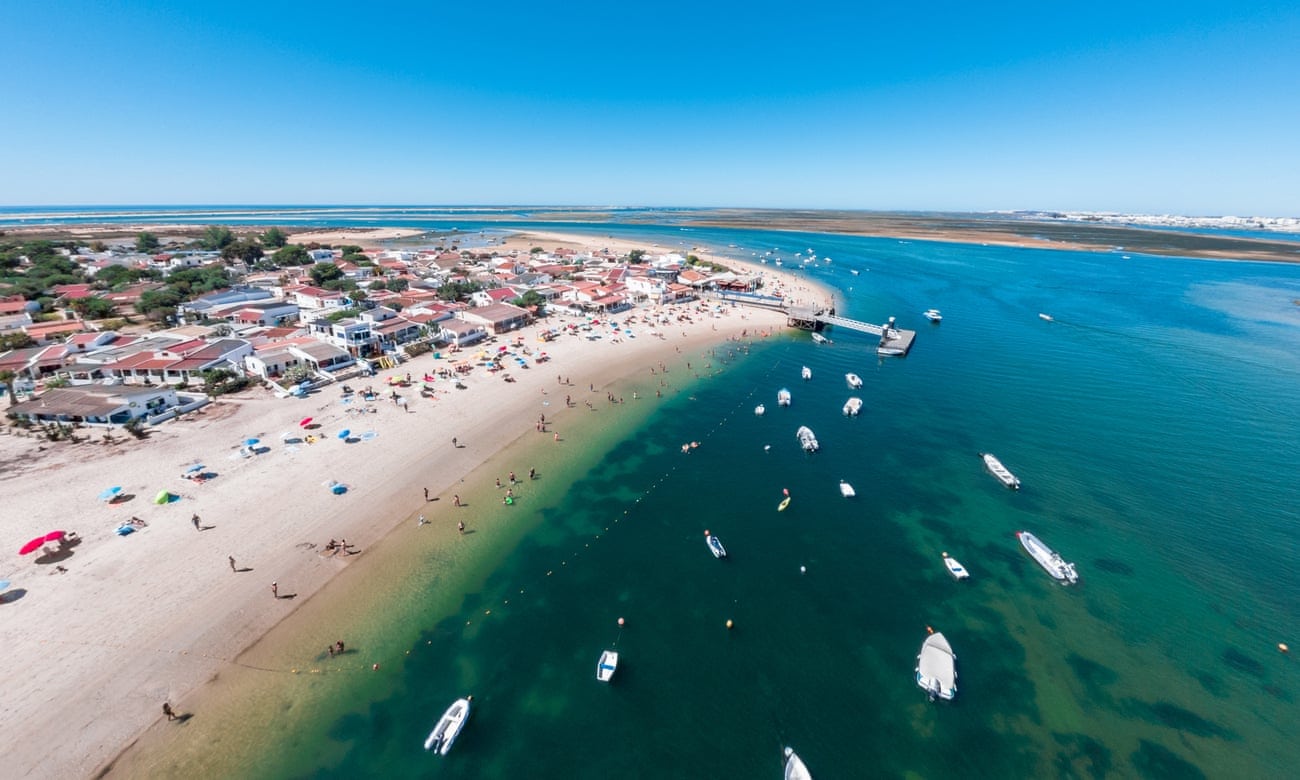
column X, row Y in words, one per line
column 131, row 622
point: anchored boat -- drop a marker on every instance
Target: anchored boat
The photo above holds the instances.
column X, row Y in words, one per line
column 955, row 568
column 760, row 410
column 854, row 380
column 783, row 397
column 819, row 338
column 936, row 668
column 794, row 766
column 847, row 490
column 606, row 666
column 806, row 439
column 449, row 726
column 1051, row 561
column 852, row 407
column 933, row 315
column 806, row 373
column 715, row 546
column 1004, row 476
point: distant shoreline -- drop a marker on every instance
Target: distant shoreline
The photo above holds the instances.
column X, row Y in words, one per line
column 992, row 229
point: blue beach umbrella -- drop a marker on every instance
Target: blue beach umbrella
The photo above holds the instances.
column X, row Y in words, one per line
column 110, row 493
column 251, row 442
column 194, row 468
column 4, row 585
column 346, row 432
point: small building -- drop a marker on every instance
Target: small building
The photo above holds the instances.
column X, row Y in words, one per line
column 497, row 317
column 95, row 405
column 462, row 332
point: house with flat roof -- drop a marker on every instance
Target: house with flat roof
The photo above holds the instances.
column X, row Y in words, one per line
column 95, row 405
column 497, row 317
column 462, row 332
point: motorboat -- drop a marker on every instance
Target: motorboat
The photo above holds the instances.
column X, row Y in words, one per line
column 847, row 490
column 715, row 546
column 449, row 726
column 854, row 380
column 806, row 439
column 852, row 407
column 794, row 766
column 1004, row 476
column 783, row 397
column 933, row 315
column 955, row 568
column 936, row 668
column 806, row 373
column 606, row 666
column 1046, row 317
column 1048, row 559
column 854, row 271
column 760, row 410
column 890, row 351
column 819, row 338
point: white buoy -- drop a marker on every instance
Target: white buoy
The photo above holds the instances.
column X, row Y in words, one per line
column 803, row 569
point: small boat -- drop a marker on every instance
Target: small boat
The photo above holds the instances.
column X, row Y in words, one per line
column 932, row 315
column 806, row 373
column 606, row 666
column 1047, row 317
column 794, row 766
column 806, row 439
column 785, row 502
column 819, row 338
column 783, row 397
column 890, row 351
column 715, row 546
column 760, row 410
column 852, row 406
column 854, row 271
column 854, row 380
column 955, row 568
column 449, row 726
column 1048, row 559
column 847, row 490
column 936, row 668
column 1004, row 476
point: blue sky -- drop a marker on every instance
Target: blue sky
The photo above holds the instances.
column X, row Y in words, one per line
column 1152, row 107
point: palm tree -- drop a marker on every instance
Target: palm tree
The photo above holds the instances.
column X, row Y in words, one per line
column 8, row 377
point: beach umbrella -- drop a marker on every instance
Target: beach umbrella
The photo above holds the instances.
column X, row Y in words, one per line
column 163, row 497
column 32, row 546
column 54, row 536
column 251, row 442
column 4, row 585
column 109, row 494
column 194, row 468
column 304, row 422
column 346, row 432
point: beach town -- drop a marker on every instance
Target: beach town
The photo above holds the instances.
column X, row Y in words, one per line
column 177, row 527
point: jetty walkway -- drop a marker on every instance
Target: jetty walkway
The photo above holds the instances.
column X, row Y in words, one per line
column 892, row 339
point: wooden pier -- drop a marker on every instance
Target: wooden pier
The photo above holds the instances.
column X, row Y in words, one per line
column 892, row 340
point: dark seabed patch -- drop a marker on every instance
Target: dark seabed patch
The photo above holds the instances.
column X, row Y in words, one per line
column 1152, row 760
column 1212, row 684
column 1112, row 566
column 1095, row 676
column 1081, row 752
column 1242, row 662
column 1179, row 718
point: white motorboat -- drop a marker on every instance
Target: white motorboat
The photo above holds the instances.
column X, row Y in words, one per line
column 890, row 351
column 794, row 766
column 715, row 546
column 936, row 668
column 1048, row 559
column 449, row 726
column 933, row 315
column 854, row 271
column 760, row 410
column 1004, row 476
column 806, row 373
column 806, row 439
column 783, row 397
column 955, row 568
column 819, row 338
column 1046, row 317
column 847, row 490
column 852, row 406
column 854, row 380
column 606, row 666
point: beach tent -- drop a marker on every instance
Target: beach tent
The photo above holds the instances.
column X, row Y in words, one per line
column 163, row 497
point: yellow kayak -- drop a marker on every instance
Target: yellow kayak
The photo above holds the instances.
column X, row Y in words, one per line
column 785, row 502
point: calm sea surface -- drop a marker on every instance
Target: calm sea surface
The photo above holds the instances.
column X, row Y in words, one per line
column 1153, row 425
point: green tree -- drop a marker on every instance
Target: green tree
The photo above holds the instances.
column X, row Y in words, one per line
column 147, row 242
column 378, row 284
column 530, row 298
column 111, row 276
column 216, row 237
column 157, row 304
column 636, row 256
column 537, row 250
column 274, row 237
column 454, row 291
column 292, row 254
column 350, row 249
column 15, row 340
column 7, row 378
column 93, row 308
column 246, row 249
column 398, row 284
column 325, row 272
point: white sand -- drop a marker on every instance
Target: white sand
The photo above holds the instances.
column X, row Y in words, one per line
column 92, row 653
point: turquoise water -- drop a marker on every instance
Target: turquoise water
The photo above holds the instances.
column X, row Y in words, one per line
column 1153, row 427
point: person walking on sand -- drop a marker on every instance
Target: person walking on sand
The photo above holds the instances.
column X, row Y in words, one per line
column 231, row 558
column 460, row 526
column 195, row 520
column 455, row 500
column 426, row 494
column 453, row 443
column 275, row 590
column 168, row 711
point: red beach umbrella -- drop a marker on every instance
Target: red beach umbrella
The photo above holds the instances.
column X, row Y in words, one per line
column 54, row 536
column 32, row 546
column 304, row 422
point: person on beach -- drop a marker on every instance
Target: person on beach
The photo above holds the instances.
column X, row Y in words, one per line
column 195, row 521
column 168, row 711
column 275, row 590
column 421, row 521
column 532, row 473
column 498, row 483
column 231, row 558
column 453, row 443
column 460, row 526
column 512, row 478
column 426, row 494
column 331, row 650
column 455, row 500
